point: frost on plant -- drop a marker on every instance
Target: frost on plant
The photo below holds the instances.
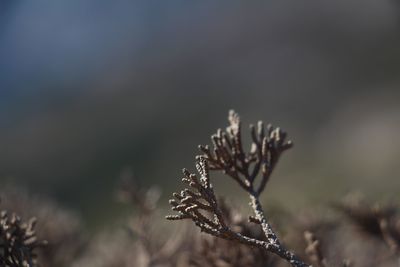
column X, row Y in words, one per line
column 251, row 170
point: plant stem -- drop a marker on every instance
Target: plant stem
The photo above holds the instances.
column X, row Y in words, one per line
column 274, row 245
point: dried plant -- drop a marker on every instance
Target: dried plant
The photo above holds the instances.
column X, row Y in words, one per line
column 380, row 221
column 319, row 235
column 139, row 242
column 18, row 241
column 216, row 252
column 199, row 203
column 62, row 229
column 154, row 251
column 313, row 250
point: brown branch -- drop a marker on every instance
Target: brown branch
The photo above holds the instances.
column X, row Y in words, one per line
column 199, row 203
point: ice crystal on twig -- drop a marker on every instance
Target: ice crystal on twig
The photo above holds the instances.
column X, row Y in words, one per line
column 199, row 203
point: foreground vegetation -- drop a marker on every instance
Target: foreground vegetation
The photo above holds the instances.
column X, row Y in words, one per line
column 351, row 232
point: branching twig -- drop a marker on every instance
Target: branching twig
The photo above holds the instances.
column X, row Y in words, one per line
column 17, row 241
column 199, row 203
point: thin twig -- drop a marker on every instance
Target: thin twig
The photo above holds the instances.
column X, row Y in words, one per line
column 199, row 203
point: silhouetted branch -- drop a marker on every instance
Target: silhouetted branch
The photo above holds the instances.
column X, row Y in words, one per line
column 17, row 241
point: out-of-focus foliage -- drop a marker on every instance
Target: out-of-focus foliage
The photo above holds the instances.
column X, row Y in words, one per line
column 62, row 230
column 145, row 241
column 90, row 87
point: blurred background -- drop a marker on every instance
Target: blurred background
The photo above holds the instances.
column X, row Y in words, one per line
column 90, row 89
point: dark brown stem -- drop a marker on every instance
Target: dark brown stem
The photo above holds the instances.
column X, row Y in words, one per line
column 229, row 157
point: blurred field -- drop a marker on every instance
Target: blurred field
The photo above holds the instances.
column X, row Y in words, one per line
column 89, row 89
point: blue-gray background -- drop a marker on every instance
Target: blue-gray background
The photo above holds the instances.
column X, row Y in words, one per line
column 90, row 88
